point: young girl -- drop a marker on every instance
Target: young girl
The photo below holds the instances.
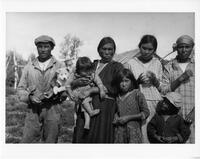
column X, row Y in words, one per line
column 81, row 94
column 167, row 126
column 132, row 109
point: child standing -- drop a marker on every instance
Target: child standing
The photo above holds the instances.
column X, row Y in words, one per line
column 132, row 109
column 167, row 126
column 81, row 94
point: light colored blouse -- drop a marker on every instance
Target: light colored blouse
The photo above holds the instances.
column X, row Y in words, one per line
column 137, row 68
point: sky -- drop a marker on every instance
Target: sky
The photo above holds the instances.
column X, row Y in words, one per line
column 126, row 28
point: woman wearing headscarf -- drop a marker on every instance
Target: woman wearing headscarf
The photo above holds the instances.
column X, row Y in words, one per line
column 101, row 127
column 147, row 69
column 179, row 77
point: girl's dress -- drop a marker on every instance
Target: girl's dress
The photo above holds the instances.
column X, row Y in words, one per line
column 133, row 103
column 151, row 93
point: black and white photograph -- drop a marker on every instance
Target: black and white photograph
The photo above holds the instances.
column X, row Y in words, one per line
column 89, row 79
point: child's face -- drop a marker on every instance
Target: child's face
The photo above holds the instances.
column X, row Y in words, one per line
column 165, row 106
column 125, row 85
column 85, row 73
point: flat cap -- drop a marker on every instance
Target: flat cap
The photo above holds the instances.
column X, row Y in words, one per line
column 44, row 39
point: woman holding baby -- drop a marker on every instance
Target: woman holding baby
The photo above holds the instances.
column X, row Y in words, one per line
column 101, row 127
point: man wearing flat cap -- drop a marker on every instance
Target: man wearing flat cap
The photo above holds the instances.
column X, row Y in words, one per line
column 42, row 119
column 179, row 76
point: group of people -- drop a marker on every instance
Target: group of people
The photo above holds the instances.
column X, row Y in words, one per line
column 139, row 101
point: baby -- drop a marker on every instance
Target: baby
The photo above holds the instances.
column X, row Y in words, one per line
column 81, row 94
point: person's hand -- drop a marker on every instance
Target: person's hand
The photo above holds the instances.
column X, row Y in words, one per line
column 170, row 139
column 159, row 139
column 115, row 120
column 72, row 96
column 143, row 79
column 186, row 75
column 190, row 117
column 49, row 94
column 152, row 78
column 80, row 82
column 34, row 99
column 122, row 120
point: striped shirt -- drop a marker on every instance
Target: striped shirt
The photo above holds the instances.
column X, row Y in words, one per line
column 187, row 89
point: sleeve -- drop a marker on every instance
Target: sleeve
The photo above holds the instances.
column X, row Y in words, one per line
column 184, row 131
column 143, row 105
column 151, row 130
column 165, row 80
column 23, row 89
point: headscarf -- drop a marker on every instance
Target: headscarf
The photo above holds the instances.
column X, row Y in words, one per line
column 185, row 39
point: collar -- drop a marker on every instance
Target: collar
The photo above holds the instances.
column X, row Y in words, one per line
column 35, row 63
column 191, row 59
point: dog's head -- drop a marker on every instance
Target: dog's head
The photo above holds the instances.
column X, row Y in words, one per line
column 62, row 74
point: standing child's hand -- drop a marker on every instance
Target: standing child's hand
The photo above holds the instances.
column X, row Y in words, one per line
column 123, row 120
column 115, row 120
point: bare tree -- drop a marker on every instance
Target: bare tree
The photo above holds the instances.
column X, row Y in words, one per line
column 70, row 46
column 14, row 65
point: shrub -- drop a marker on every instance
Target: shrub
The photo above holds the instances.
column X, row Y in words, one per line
column 10, row 91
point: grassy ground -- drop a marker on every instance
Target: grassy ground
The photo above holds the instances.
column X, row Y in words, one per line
column 15, row 115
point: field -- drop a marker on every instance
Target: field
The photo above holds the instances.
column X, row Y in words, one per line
column 15, row 116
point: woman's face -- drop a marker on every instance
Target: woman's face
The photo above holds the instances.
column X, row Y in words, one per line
column 184, row 51
column 125, row 85
column 147, row 51
column 107, row 52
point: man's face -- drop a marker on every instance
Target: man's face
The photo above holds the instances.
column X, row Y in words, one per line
column 184, row 51
column 44, row 50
